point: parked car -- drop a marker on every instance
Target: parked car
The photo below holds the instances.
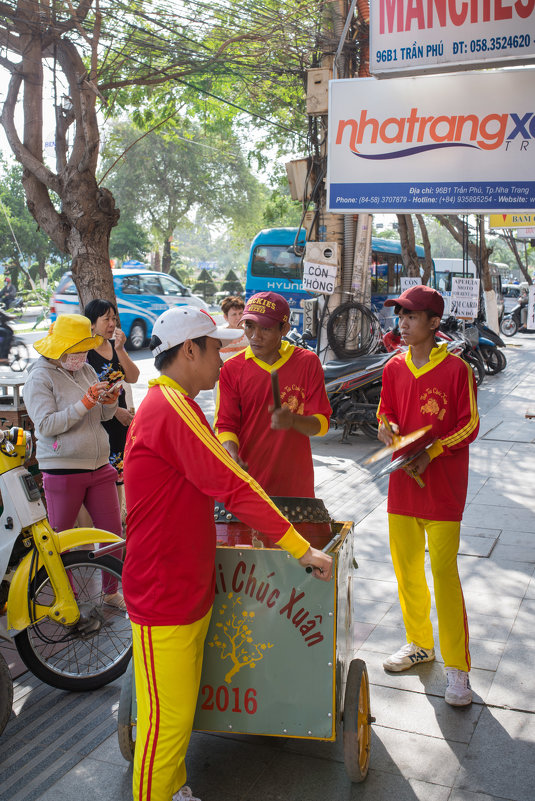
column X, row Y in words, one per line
column 142, row 295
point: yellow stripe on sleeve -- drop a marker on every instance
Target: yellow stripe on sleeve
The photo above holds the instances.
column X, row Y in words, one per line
column 466, row 430
column 324, row 425
column 180, row 405
column 227, row 436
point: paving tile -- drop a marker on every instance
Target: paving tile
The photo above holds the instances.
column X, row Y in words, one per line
column 495, row 605
column 516, row 517
column 520, row 553
column 380, row 591
column 424, row 714
column 393, row 751
column 514, row 682
column 361, row 632
column 499, row 760
column 376, row 569
column 485, row 654
column 505, row 577
column 88, row 781
column 466, row 795
column 368, row 611
column 381, row 786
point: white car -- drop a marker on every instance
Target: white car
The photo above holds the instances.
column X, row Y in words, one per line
column 142, row 295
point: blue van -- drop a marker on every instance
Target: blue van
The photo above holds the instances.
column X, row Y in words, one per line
column 142, row 295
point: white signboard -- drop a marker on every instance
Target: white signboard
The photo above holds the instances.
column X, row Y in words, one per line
column 439, row 144
column 464, row 300
column 525, row 233
column 407, row 281
column 319, row 277
column 530, row 324
column 415, row 36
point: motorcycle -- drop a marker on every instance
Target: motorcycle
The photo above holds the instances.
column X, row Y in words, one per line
column 353, row 387
column 511, row 322
column 17, row 352
column 469, row 343
column 488, row 345
column 64, row 631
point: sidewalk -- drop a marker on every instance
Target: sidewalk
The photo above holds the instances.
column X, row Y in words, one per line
column 63, row 747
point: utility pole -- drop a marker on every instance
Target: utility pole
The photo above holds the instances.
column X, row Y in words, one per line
column 344, row 239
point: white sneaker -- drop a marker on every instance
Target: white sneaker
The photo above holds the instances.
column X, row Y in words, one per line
column 408, row 656
column 458, row 690
column 185, row 794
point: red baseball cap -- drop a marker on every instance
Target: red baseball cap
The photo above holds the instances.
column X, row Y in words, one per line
column 267, row 308
column 419, row 298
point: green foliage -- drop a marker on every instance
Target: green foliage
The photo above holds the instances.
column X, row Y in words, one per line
column 128, row 240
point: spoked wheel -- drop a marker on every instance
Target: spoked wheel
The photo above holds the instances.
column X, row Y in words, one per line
column 96, row 649
column 508, row 326
column 357, row 722
column 18, row 356
column 6, row 693
column 126, row 725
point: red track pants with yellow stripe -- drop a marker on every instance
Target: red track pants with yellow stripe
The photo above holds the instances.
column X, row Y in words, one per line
column 167, row 665
column 407, row 546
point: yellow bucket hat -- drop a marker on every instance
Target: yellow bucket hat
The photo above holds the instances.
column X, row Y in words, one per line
column 71, row 333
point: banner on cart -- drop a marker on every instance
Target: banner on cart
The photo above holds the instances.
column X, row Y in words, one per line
column 433, row 144
column 269, row 656
column 410, row 36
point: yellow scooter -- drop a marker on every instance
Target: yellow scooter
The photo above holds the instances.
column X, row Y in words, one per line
column 63, row 630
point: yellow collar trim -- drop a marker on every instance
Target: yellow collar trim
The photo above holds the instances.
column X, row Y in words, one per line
column 167, row 382
column 285, row 351
column 437, row 355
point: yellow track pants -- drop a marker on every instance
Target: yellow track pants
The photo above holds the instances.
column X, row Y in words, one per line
column 407, row 546
column 167, row 665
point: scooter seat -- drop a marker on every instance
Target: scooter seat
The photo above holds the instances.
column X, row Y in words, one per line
column 339, row 367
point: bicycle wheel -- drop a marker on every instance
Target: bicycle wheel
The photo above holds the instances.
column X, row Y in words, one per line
column 352, row 329
column 6, row 693
column 96, row 649
column 18, row 356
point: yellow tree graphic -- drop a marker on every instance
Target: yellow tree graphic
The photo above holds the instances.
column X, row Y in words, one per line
column 236, row 642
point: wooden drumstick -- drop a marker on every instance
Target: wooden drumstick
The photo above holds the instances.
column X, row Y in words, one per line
column 275, row 389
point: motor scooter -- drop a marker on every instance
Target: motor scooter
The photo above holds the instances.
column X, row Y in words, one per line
column 54, row 594
column 353, row 387
column 16, row 350
column 512, row 322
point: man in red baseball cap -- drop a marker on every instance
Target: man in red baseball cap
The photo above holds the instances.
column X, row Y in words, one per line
column 273, row 444
column 429, row 386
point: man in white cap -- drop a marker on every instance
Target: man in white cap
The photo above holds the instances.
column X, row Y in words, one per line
column 174, row 468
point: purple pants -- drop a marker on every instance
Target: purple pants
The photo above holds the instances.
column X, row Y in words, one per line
column 96, row 490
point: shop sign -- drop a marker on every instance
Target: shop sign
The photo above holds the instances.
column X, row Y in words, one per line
column 416, row 36
column 443, row 144
column 464, row 301
column 511, row 220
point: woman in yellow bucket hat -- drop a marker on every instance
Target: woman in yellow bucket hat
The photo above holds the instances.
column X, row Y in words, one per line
column 67, row 403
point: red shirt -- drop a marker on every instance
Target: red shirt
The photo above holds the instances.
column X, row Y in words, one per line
column 443, row 394
column 174, row 469
column 281, row 461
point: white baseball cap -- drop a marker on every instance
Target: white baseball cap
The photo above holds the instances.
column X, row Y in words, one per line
column 176, row 325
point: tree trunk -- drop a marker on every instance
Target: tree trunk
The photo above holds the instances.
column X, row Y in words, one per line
column 460, row 231
column 166, row 257
column 408, row 245
column 509, row 238
column 428, row 268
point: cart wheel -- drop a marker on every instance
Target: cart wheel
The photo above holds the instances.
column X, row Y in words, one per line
column 125, row 724
column 357, row 722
